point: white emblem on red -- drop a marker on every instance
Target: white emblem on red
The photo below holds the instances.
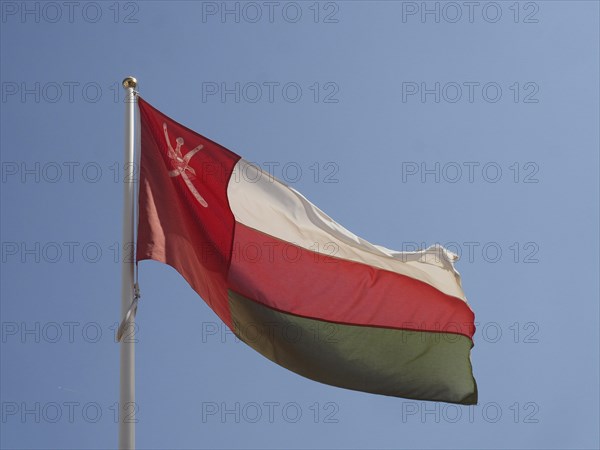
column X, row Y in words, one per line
column 181, row 165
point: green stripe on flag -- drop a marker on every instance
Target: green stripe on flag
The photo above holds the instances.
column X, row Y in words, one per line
column 410, row 364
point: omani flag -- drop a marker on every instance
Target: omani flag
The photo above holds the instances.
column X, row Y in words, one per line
column 294, row 284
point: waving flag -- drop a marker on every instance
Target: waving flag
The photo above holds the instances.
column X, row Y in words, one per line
column 294, row 284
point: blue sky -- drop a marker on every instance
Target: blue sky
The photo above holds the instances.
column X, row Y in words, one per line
column 475, row 126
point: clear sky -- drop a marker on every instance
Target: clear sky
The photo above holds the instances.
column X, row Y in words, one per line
column 474, row 125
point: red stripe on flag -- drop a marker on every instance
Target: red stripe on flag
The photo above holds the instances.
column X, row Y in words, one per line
column 184, row 215
column 291, row 279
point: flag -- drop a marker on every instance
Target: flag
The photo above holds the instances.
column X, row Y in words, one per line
column 294, row 284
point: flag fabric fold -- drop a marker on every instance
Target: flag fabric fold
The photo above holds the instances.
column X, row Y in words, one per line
column 294, row 284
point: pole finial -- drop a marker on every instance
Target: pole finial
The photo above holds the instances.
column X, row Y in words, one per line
column 129, row 82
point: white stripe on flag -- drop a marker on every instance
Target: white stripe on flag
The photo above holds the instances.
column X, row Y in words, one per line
column 260, row 201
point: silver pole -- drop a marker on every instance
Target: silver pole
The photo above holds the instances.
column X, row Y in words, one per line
column 127, row 406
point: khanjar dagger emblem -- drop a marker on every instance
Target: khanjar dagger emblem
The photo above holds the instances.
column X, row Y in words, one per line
column 181, row 165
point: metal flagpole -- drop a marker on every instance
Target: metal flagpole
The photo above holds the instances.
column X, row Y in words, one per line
column 127, row 406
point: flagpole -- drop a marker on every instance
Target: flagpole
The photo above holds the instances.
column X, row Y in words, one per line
column 127, row 406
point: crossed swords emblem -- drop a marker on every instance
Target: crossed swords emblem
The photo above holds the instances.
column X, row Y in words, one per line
column 181, row 165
